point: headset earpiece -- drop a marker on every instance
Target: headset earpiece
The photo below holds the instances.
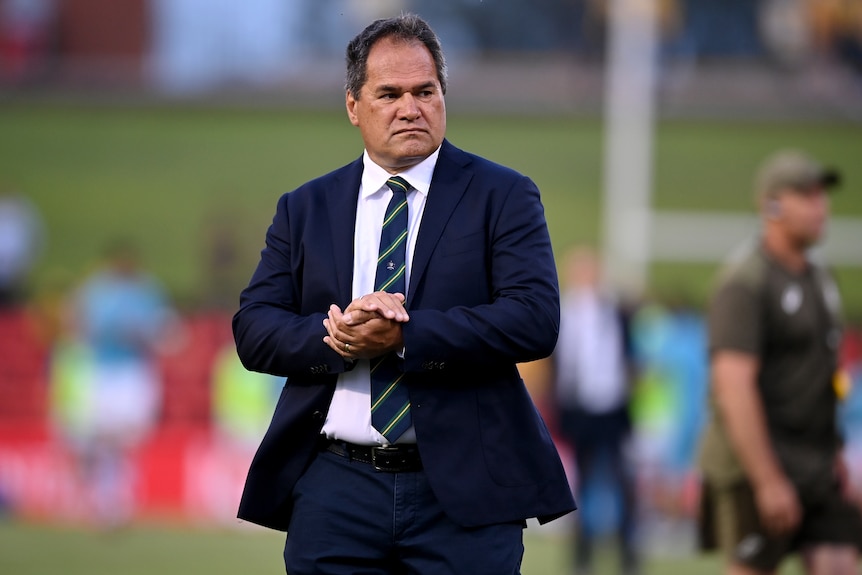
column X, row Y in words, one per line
column 773, row 208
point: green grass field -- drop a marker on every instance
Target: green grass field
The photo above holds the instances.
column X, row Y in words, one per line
column 167, row 175
column 170, row 550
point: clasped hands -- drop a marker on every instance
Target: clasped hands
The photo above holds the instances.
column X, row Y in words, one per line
column 368, row 327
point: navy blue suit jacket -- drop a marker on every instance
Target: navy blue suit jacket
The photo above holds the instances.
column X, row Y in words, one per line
column 483, row 296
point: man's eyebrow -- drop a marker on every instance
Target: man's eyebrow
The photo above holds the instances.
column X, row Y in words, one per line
column 391, row 88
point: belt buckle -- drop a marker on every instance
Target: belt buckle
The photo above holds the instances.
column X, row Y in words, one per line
column 386, row 458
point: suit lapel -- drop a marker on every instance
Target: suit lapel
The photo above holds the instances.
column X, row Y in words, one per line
column 341, row 199
column 448, row 185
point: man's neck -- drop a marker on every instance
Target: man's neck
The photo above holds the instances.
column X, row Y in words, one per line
column 787, row 253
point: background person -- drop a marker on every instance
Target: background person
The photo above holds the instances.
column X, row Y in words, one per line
column 107, row 393
column 775, row 479
column 451, row 494
column 593, row 375
column 22, row 239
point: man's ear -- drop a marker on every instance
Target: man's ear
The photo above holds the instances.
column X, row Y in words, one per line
column 350, row 104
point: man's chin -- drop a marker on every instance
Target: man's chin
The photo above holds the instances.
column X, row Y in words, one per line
column 412, row 155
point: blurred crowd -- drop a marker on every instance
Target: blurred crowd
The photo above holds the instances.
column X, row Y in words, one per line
column 188, row 45
column 98, row 370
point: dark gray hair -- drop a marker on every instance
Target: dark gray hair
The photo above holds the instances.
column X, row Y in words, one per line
column 406, row 27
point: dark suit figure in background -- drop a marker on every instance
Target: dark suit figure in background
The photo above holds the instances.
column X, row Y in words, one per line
column 592, row 376
column 465, row 288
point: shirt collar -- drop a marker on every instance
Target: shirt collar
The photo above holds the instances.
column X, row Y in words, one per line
column 419, row 176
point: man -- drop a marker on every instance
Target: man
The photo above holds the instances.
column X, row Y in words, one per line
column 109, row 405
column 774, row 476
column 592, row 380
column 465, row 289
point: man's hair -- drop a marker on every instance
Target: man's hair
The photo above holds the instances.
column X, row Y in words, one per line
column 407, row 28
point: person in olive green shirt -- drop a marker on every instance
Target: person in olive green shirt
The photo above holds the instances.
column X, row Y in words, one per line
column 775, row 482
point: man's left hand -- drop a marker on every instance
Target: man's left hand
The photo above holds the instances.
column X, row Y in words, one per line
column 369, row 327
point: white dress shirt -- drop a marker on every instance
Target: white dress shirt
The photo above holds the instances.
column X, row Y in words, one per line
column 590, row 354
column 349, row 417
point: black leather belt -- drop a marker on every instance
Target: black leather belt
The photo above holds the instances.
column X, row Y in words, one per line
column 390, row 459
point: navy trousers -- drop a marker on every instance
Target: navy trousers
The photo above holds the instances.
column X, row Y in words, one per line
column 598, row 441
column 350, row 519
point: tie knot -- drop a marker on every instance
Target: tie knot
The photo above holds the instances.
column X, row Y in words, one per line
column 398, row 184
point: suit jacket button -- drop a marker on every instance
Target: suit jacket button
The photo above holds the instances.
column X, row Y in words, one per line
column 317, row 415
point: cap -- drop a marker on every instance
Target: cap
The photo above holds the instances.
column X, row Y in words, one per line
column 794, row 170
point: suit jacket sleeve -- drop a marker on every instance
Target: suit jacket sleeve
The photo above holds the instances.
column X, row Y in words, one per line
column 487, row 295
column 279, row 326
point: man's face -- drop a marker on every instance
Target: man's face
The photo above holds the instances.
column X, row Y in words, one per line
column 401, row 111
column 803, row 214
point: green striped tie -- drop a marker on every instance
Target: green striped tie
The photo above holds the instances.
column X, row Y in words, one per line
column 390, row 403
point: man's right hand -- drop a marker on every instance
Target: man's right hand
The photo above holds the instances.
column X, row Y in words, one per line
column 370, row 326
column 778, row 505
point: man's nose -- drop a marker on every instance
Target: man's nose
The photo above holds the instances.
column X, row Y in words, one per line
column 409, row 109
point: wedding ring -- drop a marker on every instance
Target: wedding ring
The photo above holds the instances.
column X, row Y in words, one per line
column 347, row 347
